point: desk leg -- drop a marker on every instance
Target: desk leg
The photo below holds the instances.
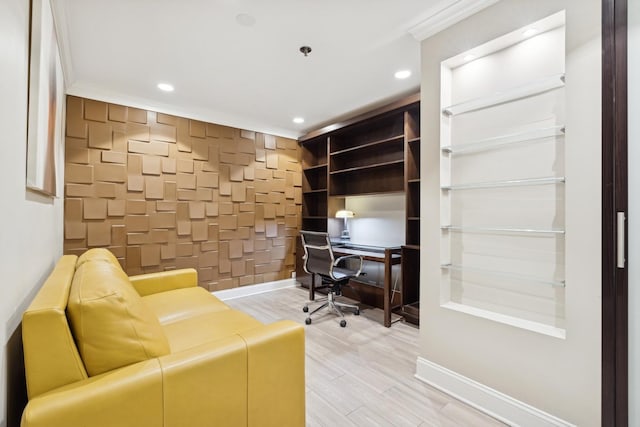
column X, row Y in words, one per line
column 312, row 287
column 387, row 288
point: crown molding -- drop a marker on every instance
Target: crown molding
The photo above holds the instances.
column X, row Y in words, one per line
column 62, row 34
column 446, row 14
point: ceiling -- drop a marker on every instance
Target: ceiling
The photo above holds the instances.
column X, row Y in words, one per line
column 248, row 76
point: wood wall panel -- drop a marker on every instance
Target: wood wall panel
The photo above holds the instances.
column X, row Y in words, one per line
column 164, row 192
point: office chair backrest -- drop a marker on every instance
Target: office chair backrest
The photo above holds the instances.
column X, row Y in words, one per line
column 318, row 254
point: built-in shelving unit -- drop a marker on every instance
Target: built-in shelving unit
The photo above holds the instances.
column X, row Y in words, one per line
column 411, row 250
column 502, row 175
column 557, row 283
column 514, row 94
column 515, row 230
column 530, row 136
column 375, row 153
column 368, row 157
column 506, row 183
column 314, row 184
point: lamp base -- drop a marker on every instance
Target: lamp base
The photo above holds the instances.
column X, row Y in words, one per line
column 345, row 235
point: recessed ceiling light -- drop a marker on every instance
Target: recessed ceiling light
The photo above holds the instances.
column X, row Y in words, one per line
column 166, row 87
column 245, row 20
column 402, row 74
column 469, row 57
column 529, row 32
column 298, row 120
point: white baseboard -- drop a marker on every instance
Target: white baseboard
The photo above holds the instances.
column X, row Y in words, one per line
column 492, row 402
column 244, row 291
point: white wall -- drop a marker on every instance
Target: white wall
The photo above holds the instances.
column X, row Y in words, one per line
column 379, row 220
column 558, row 376
column 31, row 234
column 634, row 212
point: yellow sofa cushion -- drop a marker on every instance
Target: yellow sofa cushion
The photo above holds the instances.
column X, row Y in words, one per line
column 179, row 304
column 196, row 330
column 111, row 324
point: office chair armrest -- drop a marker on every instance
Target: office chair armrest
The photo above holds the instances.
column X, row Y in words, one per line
column 342, row 258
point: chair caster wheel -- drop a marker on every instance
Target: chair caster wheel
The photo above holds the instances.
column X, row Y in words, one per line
column 357, row 313
column 307, row 320
column 305, row 309
column 343, row 323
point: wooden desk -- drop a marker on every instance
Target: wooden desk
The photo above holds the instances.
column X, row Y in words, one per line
column 389, row 256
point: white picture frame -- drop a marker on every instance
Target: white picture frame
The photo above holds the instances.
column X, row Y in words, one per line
column 46, row 101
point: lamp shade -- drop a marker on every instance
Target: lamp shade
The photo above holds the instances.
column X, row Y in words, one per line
column 344, row 214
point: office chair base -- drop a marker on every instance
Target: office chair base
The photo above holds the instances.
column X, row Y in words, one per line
column 343, row 322
column 334, row 306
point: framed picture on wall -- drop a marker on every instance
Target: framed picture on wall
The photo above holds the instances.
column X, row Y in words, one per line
column 46, row 101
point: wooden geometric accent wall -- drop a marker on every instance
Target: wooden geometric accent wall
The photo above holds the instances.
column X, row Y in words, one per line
column 165, row 192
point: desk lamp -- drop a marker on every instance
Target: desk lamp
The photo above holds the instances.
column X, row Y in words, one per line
column 345, row 214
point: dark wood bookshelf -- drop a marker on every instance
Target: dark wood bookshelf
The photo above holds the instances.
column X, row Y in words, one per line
column 374, row 153
column 371, row 145
column 399, row 104
column 313, row 168
column 410, row 308
column 371, row 166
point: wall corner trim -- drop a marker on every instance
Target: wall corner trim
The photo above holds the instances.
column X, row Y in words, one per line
column 260, row 288
column 492, row 402
column 442, row 16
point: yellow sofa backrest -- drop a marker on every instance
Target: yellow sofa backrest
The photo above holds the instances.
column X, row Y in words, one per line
column 111, row 324
column 86, row 319
column 50, row 354
column 98, row 254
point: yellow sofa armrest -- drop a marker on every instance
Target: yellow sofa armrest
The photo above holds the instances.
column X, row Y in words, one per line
column 206, row 385
column 152, row 283
column 127, row 397
column 276, row 389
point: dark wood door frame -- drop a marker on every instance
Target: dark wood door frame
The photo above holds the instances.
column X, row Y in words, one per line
column 614, row 201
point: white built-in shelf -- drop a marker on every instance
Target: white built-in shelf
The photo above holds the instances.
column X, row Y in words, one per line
column 454, row 267
column 514, row 230
column 414, row 181
column 509, row 183
column 534, row 88
column 540, row 134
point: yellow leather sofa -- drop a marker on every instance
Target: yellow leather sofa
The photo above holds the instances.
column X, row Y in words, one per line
column 104, row 349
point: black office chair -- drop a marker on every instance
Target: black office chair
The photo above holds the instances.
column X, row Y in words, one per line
column 319, row 259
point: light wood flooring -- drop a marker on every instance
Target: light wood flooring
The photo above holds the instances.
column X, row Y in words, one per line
column 362, row 375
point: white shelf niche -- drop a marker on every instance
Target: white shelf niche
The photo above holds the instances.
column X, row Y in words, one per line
column 512, row 88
